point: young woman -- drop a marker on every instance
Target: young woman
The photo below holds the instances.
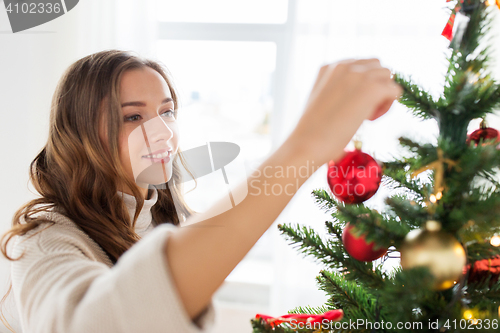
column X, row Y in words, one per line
column 103, row 248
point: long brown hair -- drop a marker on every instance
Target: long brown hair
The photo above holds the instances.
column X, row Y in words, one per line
column 80, row 173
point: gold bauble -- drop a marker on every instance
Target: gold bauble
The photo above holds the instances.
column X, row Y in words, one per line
column 437, row 250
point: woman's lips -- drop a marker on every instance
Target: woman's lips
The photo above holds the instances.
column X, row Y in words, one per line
column 159, row 156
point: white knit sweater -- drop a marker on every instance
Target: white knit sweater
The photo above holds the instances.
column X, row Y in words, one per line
column 65, row 283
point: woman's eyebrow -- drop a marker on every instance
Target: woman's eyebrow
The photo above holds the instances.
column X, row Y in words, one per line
column 165, row 101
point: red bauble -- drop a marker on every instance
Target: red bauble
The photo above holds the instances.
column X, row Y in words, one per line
column 484, row 268
column 358, row 248
column 355, row 178
column 483, row 133
column 332, row 315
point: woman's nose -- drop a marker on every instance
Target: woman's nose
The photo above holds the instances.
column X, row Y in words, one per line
column 156, row 129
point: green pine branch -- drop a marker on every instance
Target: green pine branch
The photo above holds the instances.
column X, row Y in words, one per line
column 310, row 310
column 384, row 230
column 411, row 212
column 484, row 295
column 307, row 241
column 344, row 294
column 355, row 300
column 332, row 253
column 324, row 200
column 414, row 98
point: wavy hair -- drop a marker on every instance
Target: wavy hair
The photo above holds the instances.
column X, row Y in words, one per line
column 76, row 158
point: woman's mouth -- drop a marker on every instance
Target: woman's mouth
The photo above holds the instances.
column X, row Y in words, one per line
column 163, row 156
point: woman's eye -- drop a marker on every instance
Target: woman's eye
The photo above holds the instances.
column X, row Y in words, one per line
column 136, row 117
column 132, row 118
column 169, row 113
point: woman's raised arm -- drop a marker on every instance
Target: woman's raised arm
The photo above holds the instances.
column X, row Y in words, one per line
column 202, row 253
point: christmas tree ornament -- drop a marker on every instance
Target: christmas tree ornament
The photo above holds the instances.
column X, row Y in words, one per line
column 437, row 250
column 332, row 315
column 482, row 134
column 356, row 177
column 485, row 268
column 448, row 29
column 358, row 247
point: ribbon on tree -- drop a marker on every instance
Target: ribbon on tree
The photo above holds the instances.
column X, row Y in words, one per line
column 438, row 166
column 332, row 315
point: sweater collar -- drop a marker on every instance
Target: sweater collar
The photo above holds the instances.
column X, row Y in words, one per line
column 145, row 218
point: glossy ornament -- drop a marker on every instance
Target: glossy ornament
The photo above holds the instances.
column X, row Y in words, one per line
column 483, row 133
column 355, row 178
column 358, row 248
column 437, row 250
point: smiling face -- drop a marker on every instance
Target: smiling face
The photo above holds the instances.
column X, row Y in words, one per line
column 149, row 138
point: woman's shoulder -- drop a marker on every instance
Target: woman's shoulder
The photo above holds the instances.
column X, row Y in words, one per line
column 58, row 233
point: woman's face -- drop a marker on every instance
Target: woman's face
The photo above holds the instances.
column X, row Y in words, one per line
column 150, row 138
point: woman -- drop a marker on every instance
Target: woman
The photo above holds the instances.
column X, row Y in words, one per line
column 102, row 250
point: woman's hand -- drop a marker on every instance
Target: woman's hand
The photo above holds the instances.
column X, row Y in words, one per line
column 344, row 94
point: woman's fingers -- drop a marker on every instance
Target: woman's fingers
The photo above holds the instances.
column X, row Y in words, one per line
column 359, row 61
column 344, row 94
column 380, row 82
column 382, row 109
column 379, row 73
column 327, row 69
column 393, row 92
column 350, row 77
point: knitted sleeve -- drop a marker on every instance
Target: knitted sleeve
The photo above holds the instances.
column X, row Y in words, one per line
column 60, row 288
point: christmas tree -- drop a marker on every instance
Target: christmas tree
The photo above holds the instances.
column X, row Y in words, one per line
column 442, row 217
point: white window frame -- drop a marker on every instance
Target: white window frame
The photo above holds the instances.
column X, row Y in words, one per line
column 281, row 34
